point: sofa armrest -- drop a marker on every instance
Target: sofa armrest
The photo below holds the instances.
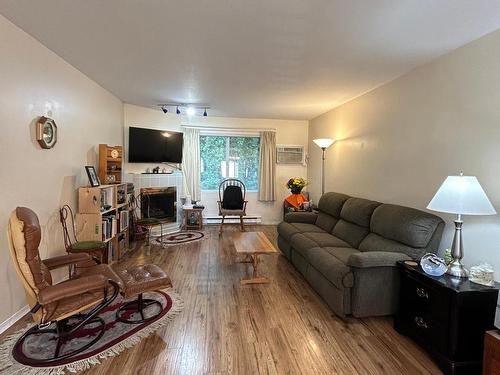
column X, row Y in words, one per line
column 375, row 259
column 301, row 217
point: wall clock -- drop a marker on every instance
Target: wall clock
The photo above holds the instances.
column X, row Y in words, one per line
column 46, row 132
column 115, row 153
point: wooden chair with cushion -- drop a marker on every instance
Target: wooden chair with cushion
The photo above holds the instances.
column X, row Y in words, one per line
column 144, row 221
column 58, row 309
column 96, row 249
column 232, row 200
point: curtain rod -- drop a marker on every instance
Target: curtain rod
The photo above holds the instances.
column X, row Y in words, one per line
column 248, row 130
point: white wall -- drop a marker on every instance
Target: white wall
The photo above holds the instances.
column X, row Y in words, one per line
column 398, row 142
column 287, row 132
column 35, row 82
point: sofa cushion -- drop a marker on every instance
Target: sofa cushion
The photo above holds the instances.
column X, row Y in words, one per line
column 302, row 244
column 358, row 211
column 341, row 253
column 287, row 230
column 374, row 242
column 304, row 228
column 326, row 222
column 351, row 233
column 410, row 226
column 326, row 240
column 331, row 203
column 330, row 267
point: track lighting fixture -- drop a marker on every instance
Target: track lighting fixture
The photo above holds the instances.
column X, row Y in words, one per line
column 185, row 108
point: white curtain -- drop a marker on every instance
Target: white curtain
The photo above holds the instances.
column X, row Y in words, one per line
column 191, row 165
column 267, row 167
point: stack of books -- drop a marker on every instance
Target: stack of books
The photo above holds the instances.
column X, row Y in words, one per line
column 109, row 227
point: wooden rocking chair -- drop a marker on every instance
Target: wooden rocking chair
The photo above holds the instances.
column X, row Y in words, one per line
column 232, row 200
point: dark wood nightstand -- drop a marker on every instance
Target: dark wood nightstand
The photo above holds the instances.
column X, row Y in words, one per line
column 447, row 316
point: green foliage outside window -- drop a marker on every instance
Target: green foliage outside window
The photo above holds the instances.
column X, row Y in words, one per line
column 227, row 156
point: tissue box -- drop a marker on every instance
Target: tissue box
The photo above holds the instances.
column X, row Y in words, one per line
column 482, row 274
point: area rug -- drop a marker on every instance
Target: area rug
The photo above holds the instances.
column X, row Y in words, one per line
column 181, row 237
column 117, row 337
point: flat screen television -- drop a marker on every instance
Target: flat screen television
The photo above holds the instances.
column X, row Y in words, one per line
column 154, row 146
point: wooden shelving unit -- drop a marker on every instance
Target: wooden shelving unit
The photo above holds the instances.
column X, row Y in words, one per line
column 110, row 164
column 103, row 215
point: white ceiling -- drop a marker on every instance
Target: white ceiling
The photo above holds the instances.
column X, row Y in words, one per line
column 290, row 59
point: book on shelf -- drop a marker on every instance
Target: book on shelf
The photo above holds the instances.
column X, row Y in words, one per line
column 123, row 217
column 109, row 227
column 114, row 226
column 111, row 252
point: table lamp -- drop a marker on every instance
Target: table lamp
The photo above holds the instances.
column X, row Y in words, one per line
column 460, row 195
column 323, row 143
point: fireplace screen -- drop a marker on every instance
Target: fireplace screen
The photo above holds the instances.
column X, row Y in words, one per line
column 159, row 203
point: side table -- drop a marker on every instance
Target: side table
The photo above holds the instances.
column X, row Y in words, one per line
column 193, row 218
column 447, row 316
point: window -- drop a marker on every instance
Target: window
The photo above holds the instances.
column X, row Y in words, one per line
column 229, row 156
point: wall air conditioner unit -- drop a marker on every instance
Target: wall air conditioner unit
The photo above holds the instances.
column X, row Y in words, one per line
column 289, row 154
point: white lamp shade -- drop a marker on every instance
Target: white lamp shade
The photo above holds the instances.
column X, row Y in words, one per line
column 324, row 142
column 461, row 195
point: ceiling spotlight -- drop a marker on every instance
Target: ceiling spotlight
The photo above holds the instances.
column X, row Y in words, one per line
column 164, row 109
column 190, row 111
column 205, row 114
column 178, row 111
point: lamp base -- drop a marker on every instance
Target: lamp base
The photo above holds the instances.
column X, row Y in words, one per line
column 457, row 269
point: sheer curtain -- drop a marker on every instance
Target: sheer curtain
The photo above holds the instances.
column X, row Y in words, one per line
column 191, row 165
column 267, row 166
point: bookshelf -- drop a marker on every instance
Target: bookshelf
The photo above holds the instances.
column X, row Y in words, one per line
column 110, row 164
column 103, row 215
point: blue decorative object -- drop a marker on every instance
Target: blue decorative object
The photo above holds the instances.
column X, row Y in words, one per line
column 433, row 265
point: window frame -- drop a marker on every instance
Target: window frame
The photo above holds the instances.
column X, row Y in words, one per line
column 228, row 135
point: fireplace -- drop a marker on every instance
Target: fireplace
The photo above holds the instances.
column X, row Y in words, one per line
column 159, row 203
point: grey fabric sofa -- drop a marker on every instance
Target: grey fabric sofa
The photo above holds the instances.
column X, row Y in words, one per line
column 348, row 251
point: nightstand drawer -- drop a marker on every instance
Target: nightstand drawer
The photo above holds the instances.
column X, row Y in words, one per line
column 425, row 299
column 424, row 328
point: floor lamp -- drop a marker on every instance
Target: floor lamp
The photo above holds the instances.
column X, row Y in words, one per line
column 323, row 143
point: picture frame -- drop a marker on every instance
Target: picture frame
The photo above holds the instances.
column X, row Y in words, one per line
column 92, row 175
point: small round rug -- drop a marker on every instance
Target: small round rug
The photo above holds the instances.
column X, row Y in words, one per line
column 118, row 336
column 181, row 237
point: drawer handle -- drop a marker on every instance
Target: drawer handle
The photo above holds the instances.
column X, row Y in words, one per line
column 420, row 322
column 422, row 293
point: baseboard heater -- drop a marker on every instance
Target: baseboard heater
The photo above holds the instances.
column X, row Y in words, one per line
column 251, row 219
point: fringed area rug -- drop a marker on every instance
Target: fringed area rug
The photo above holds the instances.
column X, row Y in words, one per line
column 117, row 337
column 181, row 237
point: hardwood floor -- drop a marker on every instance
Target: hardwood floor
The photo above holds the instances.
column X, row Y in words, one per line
column 278, row 328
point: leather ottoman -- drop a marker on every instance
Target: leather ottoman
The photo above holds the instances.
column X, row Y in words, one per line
column 136, row 281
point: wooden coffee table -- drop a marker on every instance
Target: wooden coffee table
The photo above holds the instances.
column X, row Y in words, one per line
column 251, row 245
